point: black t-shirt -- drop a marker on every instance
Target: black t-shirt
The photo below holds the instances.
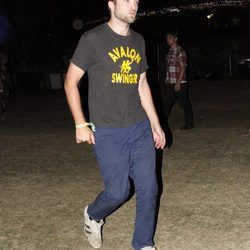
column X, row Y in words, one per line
column 114, row 64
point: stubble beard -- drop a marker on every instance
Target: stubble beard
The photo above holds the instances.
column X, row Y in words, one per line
column 126, row 19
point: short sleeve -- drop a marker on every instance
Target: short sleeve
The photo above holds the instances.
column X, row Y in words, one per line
column 182, row 58
column 82, row 55
column 144, row 64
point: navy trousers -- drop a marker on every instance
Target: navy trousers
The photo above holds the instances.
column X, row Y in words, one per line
column 124, row 154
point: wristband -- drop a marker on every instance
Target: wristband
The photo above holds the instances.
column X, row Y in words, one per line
column 83, row 125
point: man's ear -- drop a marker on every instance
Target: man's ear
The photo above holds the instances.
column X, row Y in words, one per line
column 111, row 5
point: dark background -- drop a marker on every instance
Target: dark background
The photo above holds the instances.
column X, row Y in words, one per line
column 46, row 178
column 41, row 39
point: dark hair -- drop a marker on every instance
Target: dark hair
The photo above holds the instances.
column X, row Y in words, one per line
column 173, row 33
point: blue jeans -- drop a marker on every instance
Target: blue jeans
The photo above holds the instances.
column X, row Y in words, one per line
column 124, row 153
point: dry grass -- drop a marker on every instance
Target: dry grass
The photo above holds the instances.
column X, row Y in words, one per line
column 46, row 179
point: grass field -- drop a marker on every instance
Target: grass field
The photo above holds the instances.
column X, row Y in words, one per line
column 46, row 179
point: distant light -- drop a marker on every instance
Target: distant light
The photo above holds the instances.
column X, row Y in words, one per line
column 209, row 16
column 77, row 24
column 174, row 10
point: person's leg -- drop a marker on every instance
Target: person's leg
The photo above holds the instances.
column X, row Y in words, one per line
column 169, row 98
column 144, row 176
column 184, row 101
column 114, row 161
column 2, row 106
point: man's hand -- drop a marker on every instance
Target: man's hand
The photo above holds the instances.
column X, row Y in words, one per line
column 85, row 135
column 159, row 136
column 177, row 87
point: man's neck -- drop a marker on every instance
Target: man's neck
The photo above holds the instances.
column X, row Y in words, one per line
column 119, row 27
column 174, row 46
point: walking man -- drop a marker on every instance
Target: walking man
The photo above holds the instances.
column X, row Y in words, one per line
column 125, row 126
column 175, row 80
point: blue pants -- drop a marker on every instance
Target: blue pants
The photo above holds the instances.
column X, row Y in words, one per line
column 124, row 153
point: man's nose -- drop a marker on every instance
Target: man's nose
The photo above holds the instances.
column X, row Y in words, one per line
column 133, row 5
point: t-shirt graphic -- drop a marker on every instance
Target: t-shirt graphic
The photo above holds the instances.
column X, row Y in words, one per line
column 114, row 64
column 128, row 56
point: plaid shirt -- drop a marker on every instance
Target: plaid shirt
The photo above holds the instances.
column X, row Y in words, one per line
column 175, row 56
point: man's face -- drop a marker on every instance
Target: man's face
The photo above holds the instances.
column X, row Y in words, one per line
column 171, row 40
column 124, row 10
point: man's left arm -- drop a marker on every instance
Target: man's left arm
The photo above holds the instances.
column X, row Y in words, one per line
column 148, row 105
column 182, row 65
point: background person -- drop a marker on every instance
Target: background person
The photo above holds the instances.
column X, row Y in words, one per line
column 175, row 80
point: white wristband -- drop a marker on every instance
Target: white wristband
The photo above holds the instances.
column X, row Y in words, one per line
column 83, row 125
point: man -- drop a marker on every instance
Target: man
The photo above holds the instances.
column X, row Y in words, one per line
column 175, row 80
column 127, row 128
column 2, row 100
column 4, row 84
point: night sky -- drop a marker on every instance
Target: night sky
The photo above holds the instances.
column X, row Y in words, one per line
column 41, row 33
column 54, row 16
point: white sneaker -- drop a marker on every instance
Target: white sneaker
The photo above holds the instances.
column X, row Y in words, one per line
column 93, row 230
column 148, row 248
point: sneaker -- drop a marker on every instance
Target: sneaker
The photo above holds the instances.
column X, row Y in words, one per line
column 93, row 230
column 148, row 248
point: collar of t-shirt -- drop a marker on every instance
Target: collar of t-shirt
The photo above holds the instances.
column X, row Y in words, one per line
column 116, row 35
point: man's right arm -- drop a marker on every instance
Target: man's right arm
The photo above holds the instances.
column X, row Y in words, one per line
column 72, row 80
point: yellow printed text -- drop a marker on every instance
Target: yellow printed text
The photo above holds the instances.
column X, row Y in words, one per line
column 120, row 52
column 124, row 78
